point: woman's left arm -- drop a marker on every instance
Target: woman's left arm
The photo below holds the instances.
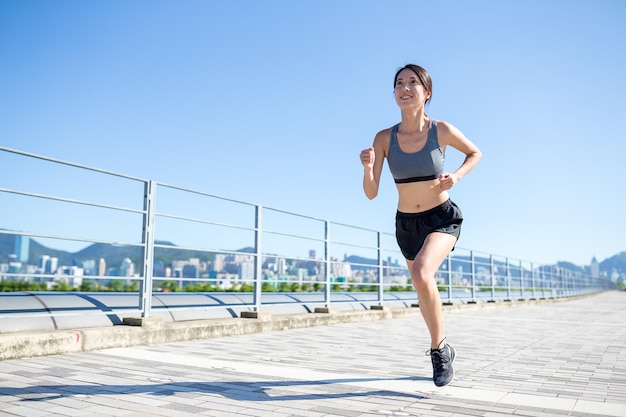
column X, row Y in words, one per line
column 449, row 135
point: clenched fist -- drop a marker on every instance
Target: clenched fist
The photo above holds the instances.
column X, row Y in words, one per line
column 368, row 156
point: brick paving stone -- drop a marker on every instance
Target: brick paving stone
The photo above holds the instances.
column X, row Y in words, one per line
column 67, row 411
column 552, row 359
column 25, row 411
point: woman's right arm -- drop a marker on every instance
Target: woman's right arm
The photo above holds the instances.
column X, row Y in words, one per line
column 372, row 160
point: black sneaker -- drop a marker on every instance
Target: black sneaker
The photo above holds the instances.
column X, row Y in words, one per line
column 442, row 360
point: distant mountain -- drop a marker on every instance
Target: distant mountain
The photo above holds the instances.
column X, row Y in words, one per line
column 571, row 267
column 358, row 262
column 36, row 250
column 114, row 254
column 614, row 264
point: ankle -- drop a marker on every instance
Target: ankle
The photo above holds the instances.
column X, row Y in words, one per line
column 439, row 345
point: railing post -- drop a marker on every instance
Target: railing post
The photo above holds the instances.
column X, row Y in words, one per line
column 493, row 289
column 449, row 274
column 532, row 280
column 508, row 281
column 147, row 249
column 381, row 278
column 473, row 269
column 553, row 283
column 544, row 281
column 258, row 250
column 326, row 264
column 521, row 280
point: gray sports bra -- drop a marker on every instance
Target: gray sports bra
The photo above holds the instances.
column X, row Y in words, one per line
column 423, row 165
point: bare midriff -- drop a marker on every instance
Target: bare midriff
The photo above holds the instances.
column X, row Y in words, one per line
column 415, row 197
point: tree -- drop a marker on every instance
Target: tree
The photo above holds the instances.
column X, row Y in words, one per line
column 88, row 285
column 62, row 286
column 116, row 285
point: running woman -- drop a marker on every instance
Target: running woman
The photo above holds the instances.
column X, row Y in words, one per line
column 428, row 223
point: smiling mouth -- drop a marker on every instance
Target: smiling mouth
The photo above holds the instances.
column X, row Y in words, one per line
column 405, row 97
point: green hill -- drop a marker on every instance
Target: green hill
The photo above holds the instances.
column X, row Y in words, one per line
column 114, row 254
column 616, row 264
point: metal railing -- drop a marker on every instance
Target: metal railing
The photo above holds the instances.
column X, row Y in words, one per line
column 222, row 245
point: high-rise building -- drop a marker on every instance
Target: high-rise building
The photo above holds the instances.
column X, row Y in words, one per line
column 89, row 267
column 22, row 246
column 190, row 271
column 15, row 266
column 246, row 271
column 102, row 267
column 595, row 268
column 127, row 269
column 219, row 262
column 51, row 265
column 43, row 260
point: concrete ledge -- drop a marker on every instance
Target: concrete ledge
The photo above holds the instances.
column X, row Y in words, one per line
column 152, row 331
column 22, row 345
column 137, row 332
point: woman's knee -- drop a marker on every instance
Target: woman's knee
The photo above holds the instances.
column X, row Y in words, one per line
column 421, row 275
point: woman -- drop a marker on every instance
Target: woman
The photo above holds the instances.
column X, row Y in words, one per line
column 428, row 223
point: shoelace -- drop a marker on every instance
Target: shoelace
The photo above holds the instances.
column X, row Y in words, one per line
column 440, row 359
column 439, row 353
column 429, row 351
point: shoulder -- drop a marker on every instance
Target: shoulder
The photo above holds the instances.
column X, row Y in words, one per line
column 382, row 141
column 443, row 126
column 447, row 132
column 383, row 137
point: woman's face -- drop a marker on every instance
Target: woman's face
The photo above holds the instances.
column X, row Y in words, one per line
column 409, row 92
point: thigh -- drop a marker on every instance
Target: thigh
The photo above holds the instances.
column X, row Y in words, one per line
column 437, row 246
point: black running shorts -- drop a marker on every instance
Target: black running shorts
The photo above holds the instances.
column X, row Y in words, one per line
column 412, row 228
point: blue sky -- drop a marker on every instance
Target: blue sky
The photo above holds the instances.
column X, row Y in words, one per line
column 270, row 102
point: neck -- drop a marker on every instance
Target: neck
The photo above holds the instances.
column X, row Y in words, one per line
column 414, row 120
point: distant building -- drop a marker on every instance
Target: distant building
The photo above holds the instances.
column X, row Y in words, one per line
column 22, row 248
column 71, row 275
column 43, row 261
column 595, row 268
column 158, row 269
column 15, row 266
column 340, row 269
column 190, row 271
column 127, row 269
column 102, row 267
column 246, row 271
column 51, row 265
column 89, row 267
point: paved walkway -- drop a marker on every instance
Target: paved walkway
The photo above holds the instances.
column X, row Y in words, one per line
column 555, row 359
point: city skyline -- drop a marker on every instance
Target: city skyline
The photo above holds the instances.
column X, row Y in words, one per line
column 236, row 256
